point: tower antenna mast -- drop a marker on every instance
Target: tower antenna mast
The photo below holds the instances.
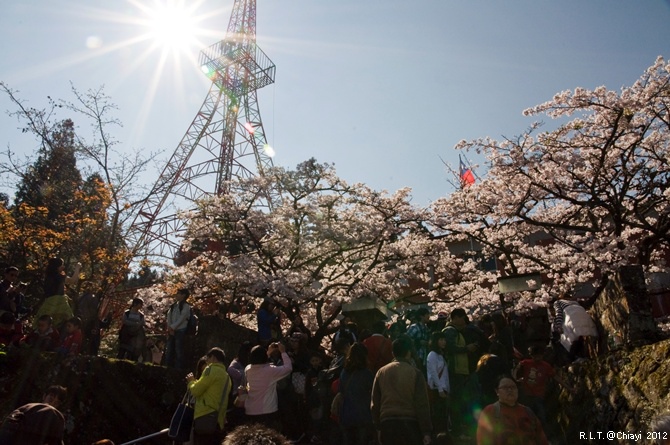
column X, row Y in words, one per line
column 225, row 141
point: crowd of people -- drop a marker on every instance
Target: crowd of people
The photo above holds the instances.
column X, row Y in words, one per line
column 415, row 381
column 73, row 326
column 441, row 381
column 419, row 380
column 56, row 326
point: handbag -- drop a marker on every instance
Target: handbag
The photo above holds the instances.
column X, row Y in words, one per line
column 338, row 401
column 182, row 421
column 298, row 381
column 241, row 399
column 336, row 406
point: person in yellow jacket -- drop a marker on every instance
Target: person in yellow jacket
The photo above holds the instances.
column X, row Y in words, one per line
column 211, row 393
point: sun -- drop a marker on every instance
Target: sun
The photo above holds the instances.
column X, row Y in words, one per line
column 171, row 25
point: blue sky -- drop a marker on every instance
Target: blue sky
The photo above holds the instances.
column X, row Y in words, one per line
column 382, row 89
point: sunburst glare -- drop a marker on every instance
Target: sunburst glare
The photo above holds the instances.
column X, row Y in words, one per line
column 171, row 25
column 174, row 31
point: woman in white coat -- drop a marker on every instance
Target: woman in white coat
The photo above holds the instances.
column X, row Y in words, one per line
column 261, row 404
column 438, row 382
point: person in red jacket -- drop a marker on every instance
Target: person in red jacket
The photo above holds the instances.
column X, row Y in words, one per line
column 508, row 422
column 45, row 337
column 72, row 344
column 534, row 373
column 380, row 347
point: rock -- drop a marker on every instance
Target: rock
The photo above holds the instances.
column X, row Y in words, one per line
column 621, row 391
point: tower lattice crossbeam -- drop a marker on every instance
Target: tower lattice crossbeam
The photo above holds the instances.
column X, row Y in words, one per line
column 224, row 142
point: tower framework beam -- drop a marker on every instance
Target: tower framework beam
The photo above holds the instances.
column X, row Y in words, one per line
column 225, row 141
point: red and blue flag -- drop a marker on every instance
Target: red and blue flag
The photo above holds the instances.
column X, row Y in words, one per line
column 465, row 173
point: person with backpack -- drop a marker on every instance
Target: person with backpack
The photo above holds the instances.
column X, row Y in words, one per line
column 177, row 325
column 131, row 335
column 507, row 421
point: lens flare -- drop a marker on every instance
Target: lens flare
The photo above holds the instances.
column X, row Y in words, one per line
column 93, row 42
column 268, row 150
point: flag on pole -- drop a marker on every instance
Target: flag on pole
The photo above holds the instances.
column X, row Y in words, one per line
column 466, row 175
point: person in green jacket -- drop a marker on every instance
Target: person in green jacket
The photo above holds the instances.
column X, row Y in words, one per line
column 211, row 393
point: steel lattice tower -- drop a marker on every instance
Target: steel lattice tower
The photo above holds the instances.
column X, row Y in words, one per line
column 225, row 141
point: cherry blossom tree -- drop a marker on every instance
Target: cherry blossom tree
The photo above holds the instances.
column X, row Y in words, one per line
column 575, row 203
column 324, row 243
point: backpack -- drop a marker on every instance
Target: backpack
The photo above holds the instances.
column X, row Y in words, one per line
column 192, row 325
column 128, row 332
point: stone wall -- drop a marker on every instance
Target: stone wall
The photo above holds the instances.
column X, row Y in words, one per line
column 220, row 332
column 107, row 399
column 623, row 308
column 620, row 391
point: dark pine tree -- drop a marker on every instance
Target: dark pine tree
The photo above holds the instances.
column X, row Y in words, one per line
column 52, row 183
column 54, row 180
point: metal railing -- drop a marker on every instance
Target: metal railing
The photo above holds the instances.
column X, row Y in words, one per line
column 150, row 436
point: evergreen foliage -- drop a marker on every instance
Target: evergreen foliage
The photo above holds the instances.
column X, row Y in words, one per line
column 54, row 179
